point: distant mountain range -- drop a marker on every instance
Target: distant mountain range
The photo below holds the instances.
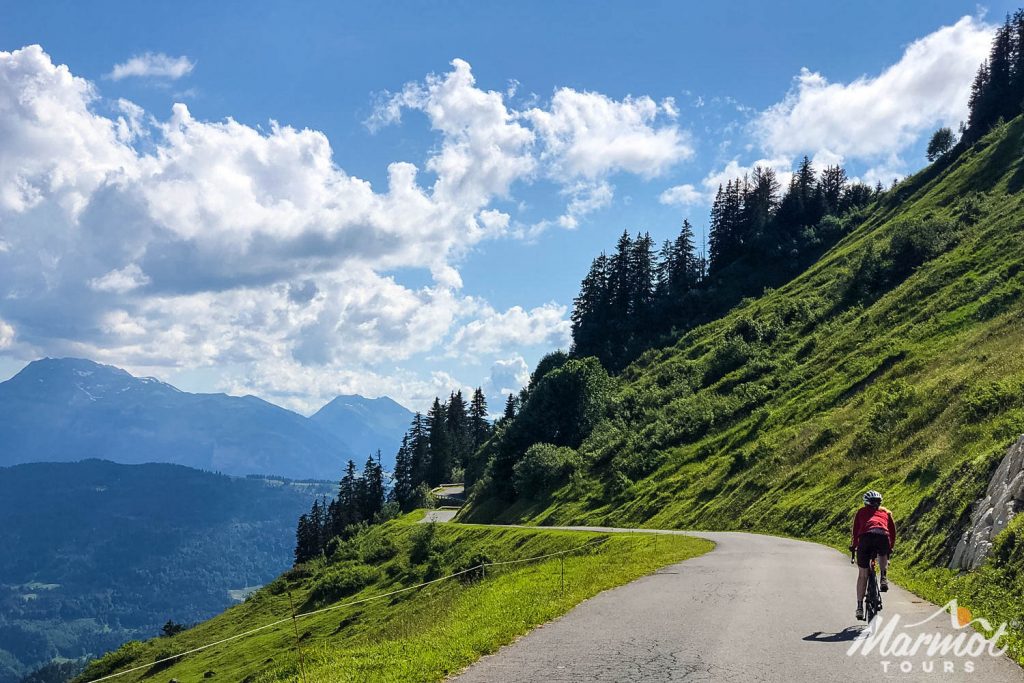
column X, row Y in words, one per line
column 68, row 409
column 96, row 553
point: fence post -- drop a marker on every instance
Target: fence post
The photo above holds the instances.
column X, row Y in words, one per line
column 298, row 641
column 561, row 563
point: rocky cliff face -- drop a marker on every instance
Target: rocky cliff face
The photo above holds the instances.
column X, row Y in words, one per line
column 1003, row 499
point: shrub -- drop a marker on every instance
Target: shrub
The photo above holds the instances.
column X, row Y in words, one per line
column 917, row 242
column 424, row 542
column 342, row 581
column 172, row 628
column 112, row 661
column 475, row 563
column 732, row 353
column 543, row 468
column 988, row 399
column 376, row 549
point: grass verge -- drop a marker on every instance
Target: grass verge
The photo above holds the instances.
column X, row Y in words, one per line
column 420, row 635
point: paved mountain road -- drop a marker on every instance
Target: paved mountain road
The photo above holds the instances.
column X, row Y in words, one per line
column 757, row 608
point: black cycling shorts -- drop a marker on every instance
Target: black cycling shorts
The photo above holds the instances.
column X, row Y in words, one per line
column 869, row 546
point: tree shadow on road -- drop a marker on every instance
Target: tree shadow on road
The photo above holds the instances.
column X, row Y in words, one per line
column 846, row 635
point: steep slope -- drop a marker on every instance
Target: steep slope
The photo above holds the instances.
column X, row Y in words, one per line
column 366, row 425
column 96, row 553
column 68, row 409
column 892, row 363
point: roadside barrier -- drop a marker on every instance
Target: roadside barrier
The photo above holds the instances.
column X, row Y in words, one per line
column 481, row 567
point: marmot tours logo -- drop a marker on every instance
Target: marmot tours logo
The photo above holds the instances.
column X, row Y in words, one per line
column 931, row 651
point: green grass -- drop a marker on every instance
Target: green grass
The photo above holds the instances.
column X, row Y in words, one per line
column 419, row 635
column 778, row 416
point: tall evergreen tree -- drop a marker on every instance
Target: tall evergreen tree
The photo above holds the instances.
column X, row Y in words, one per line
column 305, row 541
column 1000, row 63
column 439, row 468
column 642, row 276
column 459, row 437
column 479, row 425
column 404, row 487
column 346, row 508
column 832, row 185
column 979, row 104
column 759, row 204
column 419, row 449
column 320, row 527
column 371, row 500
column 590, row 313
column 510, row 408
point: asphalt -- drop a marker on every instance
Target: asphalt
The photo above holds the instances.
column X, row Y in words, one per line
column 756, row 608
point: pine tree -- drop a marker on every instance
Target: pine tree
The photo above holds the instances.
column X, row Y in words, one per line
column 1017, row 67
column 405, row 486
column 590, row 310
column 459, row 438
column 305, row 541
column 832, row 185
column 319, row 526
column 439, row 468
column 759, row 205
column 641, row 288
column 510, row 408
column 346, row 509
column 979, row 104
column 479, row 425
column 1000, row 63
column 371, row 499
column 619, row 282
column 419, row 448
column 726, row 226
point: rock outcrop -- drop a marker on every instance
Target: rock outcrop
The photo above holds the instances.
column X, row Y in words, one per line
column 993, row 512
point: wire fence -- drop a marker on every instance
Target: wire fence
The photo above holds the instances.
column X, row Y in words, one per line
column 481, row 567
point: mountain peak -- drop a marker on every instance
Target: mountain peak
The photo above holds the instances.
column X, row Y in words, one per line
column 60, row 409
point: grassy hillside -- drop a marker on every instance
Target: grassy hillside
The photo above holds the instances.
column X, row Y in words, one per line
column 97, row 553
column 894, row 362
column 418, row 635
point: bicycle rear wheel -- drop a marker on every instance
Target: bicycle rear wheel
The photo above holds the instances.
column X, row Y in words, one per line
column 874, row 602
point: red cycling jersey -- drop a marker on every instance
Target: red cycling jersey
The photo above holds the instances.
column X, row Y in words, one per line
column 869, row 518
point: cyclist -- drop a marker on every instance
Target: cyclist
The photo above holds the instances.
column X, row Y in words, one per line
column 874, row 533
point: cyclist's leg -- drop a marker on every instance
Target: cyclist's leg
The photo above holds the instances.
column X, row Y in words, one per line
column 863, row 564
column 883, row 564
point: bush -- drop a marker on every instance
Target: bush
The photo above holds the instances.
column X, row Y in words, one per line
column 917, row 242
column 732, row 353
column 172, row 628
column 474, row 562
column 543, row 468
column 989, row 399
column 376, row 549
column 342, row 581
column 424, row 542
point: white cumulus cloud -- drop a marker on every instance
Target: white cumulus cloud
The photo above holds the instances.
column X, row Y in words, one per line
column 577, row 139
column 875, row 116
column 171, row 243
column 508, row 376
column 492, row 331
column 153, row 65
column 588, row 135
column 121, row 280
column 682, row 195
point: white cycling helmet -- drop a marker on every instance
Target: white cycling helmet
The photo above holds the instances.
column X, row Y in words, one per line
column 872, row 497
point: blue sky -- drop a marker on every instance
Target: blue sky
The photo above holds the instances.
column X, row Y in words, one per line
column 303, row 258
